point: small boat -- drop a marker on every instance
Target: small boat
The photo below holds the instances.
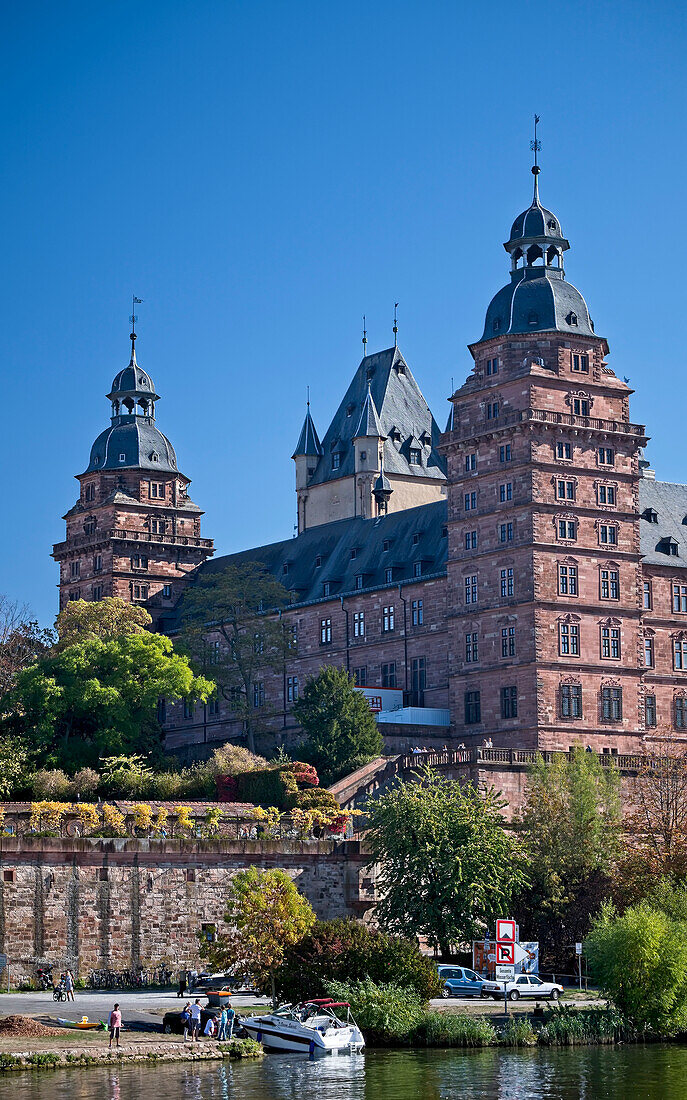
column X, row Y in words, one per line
column 84, row 1024
column 313, row 1026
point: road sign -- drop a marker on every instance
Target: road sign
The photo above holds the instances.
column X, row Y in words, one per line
column 505, row 973
column 505, row 954
column 506, row 931
column 519, row 953
column 578, row 948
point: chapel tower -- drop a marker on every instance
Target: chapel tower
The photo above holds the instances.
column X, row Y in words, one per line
column 544, row 557
column 134, row 532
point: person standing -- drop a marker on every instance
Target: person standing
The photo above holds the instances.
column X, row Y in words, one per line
column 115, row 1024
column 223, row 1021
column 186, row 1019
column 231, row 1016
column 195, row 1020
column 69, row 985
column 182, row 984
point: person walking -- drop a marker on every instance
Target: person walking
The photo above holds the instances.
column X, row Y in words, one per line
column 69, row 985
column 182, row 984
column 186, row 1019
column 115, row 1024
column 195, row 1021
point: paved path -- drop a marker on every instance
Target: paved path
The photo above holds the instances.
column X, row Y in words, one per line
column 141, row 1007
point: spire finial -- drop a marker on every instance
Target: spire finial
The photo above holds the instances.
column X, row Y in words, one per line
column 364, row 336
column 535, row 146
column 307, row 391
column 134, row 302
column 395, row 325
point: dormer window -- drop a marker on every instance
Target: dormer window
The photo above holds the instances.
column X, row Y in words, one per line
column 326, row 589
column 359, row 581
column 369, row 373
column 354, row 553
column 415, row 458
column 416, row 538
column 285, row 569
column 417, row 569
column 318, row 561
column 400, row 367
column 386, row 544
column 651, row 516
column 668, row 546
column 496, row 324
column 350, row 410
column 532, row 318
column 154, row 457
column 550, row 224
column 395, row 435
column 336, row 460
column 122, row 458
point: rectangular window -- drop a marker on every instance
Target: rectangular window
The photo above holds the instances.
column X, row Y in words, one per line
column 471, row 648
column 90, row 492
column 505, row 453
column 213, row 707
column 492, row 366
column 97, row 593
column 75, row 568
column 389, row 675
column 387, row 619
column 612, row 704
column 679, row 654
column 567, row 580
column 648, row 651
column 157, row 490
column 336, row 460
column 139, row 591
column 680, row 597
column 291, row 689
column 188, row 708
column 259, row 693
column 167, row 591
column 359, row 624
column 325, row 631
column 359, row 581
column 360, row 675
column 139, row 561
column 418, row 678
column 389, row 574
column 610, row 584
column 326, row 589
column 610, row 642
column 470, row 502
column 564, row 450
column 650, row 711
column 509, row 702
column 569, row 639
column 417, row 568
column 608, row 534
column 606, row 494
column 580, row 364
column 416, row 614
column 471, row 589
column 508, row 641
column 492, row 410
column 506, row 491
column 97, row 563
column 647, row 602
column 580, row 406
column 506, row 532
column 473, row 711
column 567, row 529
column 507, row 582
column 571, row 701
column 470, row 540
column 606, row 456
column 565, row 490
column 415, row 458
column 470, row 463
column 157, row 527
column 680, row 712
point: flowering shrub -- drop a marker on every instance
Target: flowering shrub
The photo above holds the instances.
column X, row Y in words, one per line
column 160, row 822
column 143, row 816
column 269, row 818
column 113, row 822
column 184, row 822
column 304, row 773
column 227, row 788
column 88, row 815
column 47, row 815
column 212, row 820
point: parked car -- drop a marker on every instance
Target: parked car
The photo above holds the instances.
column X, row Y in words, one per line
column 523, row 985
column 172, row 1025
column 459, row 981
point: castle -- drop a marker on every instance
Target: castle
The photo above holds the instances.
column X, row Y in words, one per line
column 520, row 577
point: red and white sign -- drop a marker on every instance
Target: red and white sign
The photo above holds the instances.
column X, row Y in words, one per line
column 505, row 954
column 505, row 931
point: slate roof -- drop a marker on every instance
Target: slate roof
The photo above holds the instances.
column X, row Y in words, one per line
column 541, row 293
column 669, row 501
column 308, row 440
column 369, row 425
column 138, row 440
column 400, row 408
column 333, row 543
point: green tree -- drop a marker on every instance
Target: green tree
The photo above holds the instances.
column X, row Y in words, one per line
column 265, row 915
column 341, row 731
column 232, row 633
column 348, row 950
column 570, row 830
column 22, row 641
column 98, row 697
column 105, row 619
column 640, row 961
column 447, row 866
column 13, row 766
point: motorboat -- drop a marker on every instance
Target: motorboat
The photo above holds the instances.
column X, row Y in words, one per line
column 313, row 1027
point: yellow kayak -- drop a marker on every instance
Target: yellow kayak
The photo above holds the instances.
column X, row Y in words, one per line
column 83, row 1024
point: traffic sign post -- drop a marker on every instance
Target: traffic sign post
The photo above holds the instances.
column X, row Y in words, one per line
column 506, row 936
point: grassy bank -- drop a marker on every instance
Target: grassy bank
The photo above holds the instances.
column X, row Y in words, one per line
column 34, row 1054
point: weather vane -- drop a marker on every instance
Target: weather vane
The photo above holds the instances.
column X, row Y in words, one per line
column 535, row 145
column 395, row 325
column 134, row 318
column 364, row 336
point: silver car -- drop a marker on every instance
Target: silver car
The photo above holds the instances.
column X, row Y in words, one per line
column 523, row 985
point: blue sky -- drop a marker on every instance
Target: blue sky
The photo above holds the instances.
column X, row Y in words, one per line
column 263, row 173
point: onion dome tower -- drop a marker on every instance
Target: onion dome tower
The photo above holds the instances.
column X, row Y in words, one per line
column 134, row 532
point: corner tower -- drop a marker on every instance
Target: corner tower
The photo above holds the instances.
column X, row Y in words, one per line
column 543, row 469
column 134, row 532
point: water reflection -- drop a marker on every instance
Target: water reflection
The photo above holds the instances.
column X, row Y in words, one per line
column 626, row 1073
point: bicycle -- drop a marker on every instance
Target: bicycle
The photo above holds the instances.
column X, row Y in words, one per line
column 59, row 993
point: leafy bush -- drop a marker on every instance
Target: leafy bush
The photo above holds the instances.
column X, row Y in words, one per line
column 317, row 798
column 448, row 1029
column 127, row 776
column 166, row 786
column 518, row 1033
column 234, row 760
column 85, row 782
column 51, row 785
column 348, row 950
column 387, row 1012
column 567, row 1026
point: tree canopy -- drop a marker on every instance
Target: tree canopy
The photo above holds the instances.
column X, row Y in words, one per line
column 341, row 731
column 447, row 866
column 98, row 695
column 265, row 916
column 232, row 634
column 109, row 618
column 570, row 830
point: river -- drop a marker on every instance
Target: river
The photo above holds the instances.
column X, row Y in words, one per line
column 582, row 1073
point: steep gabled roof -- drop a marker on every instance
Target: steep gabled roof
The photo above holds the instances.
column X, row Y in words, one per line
column 398, row 403
column 308, row 440
column 369, row 425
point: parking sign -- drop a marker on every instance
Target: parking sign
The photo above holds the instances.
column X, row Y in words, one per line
column 505, row 954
